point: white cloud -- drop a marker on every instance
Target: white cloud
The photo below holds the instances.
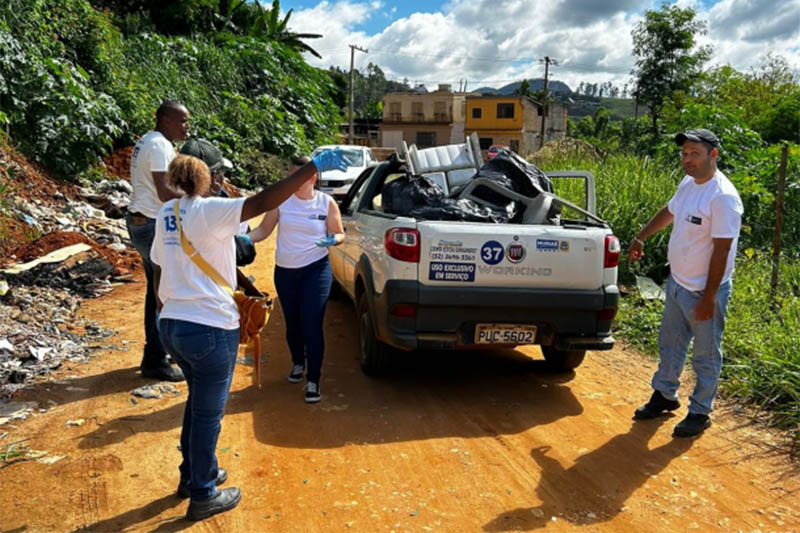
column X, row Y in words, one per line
column 493, row 43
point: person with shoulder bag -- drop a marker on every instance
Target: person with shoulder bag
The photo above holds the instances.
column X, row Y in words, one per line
column 199, row 319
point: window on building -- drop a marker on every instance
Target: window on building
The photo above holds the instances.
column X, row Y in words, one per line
column 394, row 111
column 416, row 111
column 505, row 110
column 440, row 110
column 486, row 142
column 426, row 139
column 476, row 112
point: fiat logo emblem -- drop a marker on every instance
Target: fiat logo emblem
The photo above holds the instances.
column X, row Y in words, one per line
column 515, row 252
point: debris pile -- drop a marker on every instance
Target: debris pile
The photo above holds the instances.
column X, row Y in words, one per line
column 39, row 329
column 61, row 243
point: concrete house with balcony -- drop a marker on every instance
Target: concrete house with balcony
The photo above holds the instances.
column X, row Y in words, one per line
column 423, row 118
column 513, row 120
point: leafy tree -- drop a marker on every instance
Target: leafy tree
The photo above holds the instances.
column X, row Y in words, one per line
column 524, row 89
column 268, row 25
column 669, row 59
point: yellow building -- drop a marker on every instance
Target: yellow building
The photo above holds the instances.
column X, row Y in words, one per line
column 514, row 121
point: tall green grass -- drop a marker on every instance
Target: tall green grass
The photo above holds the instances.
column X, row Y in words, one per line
column 630, row 190
column 762, row 358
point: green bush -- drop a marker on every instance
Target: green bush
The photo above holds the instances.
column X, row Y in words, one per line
column 52, row 111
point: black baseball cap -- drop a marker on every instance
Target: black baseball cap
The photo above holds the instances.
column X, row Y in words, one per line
column 701, row 135
column 206, row 152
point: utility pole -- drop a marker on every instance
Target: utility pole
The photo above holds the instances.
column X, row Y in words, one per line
column 547, row 60
column 353, row 49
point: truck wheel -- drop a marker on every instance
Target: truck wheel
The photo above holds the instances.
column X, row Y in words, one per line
column 563, row 360
column 373, row 355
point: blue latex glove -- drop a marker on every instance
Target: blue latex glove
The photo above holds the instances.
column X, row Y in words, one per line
column 330, row 160
column 330, row 240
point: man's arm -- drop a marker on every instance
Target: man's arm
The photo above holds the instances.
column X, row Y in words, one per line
column 164, row 191
column 716, row 269
column 661, row 220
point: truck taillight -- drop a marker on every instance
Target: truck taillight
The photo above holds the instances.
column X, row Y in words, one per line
column 612, row 250
column 403, row 244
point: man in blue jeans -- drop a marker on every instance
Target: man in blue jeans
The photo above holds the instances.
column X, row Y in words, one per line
column 149, row 162
column 706, row 214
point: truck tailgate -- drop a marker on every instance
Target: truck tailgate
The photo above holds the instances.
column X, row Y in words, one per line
column 510, row 255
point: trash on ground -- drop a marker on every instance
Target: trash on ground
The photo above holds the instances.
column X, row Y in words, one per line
column 155, row 391
column 16, row 411
column 649, row 289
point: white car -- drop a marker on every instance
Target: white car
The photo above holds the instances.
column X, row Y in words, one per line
column 337, row 183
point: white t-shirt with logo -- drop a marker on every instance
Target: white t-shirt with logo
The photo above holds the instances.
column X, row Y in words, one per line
column 702, row 213
column 153, row 153
column 187, row 292
column 301, row 223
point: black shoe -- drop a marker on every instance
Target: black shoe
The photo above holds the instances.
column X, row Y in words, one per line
column 655, row 406
column 692, row 425
column 225, row 500
column 312, row 392
column 183, row 486
column 162, row 371
column 296, row 374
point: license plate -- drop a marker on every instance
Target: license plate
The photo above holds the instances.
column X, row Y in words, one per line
column 504, row 334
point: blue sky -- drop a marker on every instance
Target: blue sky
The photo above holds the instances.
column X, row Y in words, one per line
column 494, row 42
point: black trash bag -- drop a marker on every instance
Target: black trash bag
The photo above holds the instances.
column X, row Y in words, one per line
column 401, row 196
column 513, row 173
column 526, row 179
column 465, row 210
column 419, row 197
column 245, row 251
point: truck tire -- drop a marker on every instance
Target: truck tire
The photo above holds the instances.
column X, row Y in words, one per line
column 373, row 355
column 562, row 360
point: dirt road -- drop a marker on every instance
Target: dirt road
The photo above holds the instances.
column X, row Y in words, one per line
column 459, row 442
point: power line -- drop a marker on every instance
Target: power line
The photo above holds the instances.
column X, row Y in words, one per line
column 565, row 64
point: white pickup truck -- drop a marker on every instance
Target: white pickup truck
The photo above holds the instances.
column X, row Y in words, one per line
column 426, row 284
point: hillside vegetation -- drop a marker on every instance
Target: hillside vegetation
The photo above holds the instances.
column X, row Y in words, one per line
column 73, row 85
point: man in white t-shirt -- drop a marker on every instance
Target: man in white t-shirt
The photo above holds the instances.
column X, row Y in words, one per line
column 706, row 214
column 149, row 162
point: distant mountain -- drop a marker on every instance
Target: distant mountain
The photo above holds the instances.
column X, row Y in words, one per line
column 554, row 86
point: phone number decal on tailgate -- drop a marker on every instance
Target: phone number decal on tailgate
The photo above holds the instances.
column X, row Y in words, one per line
column 452, row 271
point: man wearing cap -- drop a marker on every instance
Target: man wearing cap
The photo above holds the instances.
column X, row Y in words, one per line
column 218, row 165
column 705, row 213
column 149, row 161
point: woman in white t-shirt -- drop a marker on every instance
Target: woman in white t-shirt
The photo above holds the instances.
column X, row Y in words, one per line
column 199, row 321
column 308, row 223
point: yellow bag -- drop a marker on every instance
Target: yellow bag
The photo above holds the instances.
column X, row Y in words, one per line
column 253, row 310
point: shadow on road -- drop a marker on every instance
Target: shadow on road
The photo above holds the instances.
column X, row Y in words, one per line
column 595, row 488
column 130, row 519
column 429, row 395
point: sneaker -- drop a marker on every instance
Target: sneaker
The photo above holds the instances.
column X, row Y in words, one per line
column 162, row 371
column 312, row 392
column 655, row 406
column 183, row 487
column 296, row 375
column 692, row 425
column 225, row 500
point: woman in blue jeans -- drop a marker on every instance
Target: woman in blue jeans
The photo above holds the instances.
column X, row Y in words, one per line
column 199, row 321
column 308, row 223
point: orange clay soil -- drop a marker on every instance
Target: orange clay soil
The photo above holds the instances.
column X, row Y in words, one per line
column 453, row 442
